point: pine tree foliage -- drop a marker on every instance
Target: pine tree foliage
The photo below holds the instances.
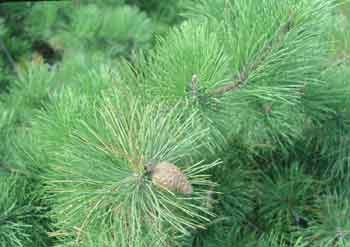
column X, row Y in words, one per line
column 262, row 72
column 13, row 229
column 245, row 101
column 4, row 77
column 28, row 93
column 12, row 13
column 45, row 19
column 287, row 197
column 120, row 30
column 34, row 86
column 102, row 191
column 21, row 224
column 325, row 141
column 331, row 226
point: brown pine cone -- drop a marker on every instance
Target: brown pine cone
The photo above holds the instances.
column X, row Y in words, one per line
column 167, row 175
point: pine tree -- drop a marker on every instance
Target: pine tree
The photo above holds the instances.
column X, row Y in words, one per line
column 192, row 123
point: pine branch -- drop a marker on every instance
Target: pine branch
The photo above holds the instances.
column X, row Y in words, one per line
column 243, row 76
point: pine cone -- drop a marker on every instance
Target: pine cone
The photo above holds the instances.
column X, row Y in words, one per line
column 167, row 175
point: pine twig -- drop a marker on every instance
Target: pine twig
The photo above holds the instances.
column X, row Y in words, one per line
column 243, row 76
column 5, row 170
column 338, row 62
column 9, row 57
column 194, row 86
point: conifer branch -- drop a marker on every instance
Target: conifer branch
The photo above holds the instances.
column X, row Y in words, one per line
column 243, row 76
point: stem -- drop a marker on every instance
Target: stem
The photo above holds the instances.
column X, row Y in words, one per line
column 243, row 76
column 194, row 86
column 9, row 57
column 232, row 86
column 5, row 170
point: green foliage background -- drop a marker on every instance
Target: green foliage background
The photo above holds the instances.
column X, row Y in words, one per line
column 249, row 99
